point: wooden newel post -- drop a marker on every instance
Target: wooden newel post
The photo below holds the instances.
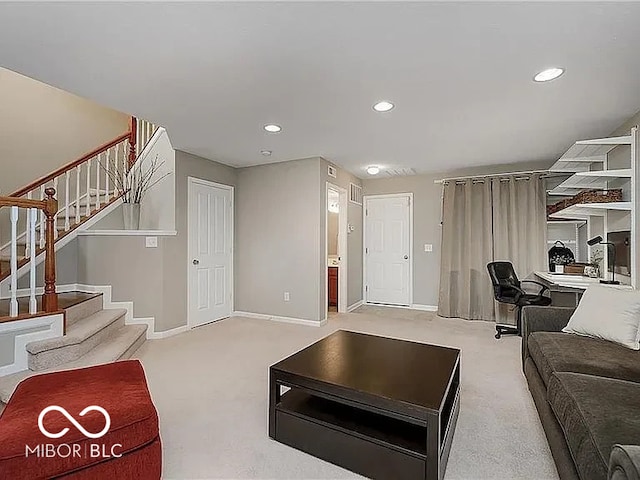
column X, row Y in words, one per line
column 50, row 297
column 133, row 139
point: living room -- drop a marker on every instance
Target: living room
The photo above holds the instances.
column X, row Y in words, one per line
column 319, row 240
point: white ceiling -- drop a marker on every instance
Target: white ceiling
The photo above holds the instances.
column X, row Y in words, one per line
column 459, row 74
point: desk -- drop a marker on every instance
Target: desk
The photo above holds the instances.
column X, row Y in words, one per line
column 566, row 290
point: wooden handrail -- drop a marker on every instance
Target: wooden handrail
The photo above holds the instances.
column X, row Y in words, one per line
column 22, row 203
column 62, row 170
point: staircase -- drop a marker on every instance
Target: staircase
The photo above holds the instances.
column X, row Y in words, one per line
column 41, row 215
column 94, row 336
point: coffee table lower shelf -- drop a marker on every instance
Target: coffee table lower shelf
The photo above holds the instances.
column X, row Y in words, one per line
column 372, row 444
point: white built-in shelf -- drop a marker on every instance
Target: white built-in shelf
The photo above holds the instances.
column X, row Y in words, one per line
column 582, row 211
column 584, row 153
column 595, row 179
column 565, row 222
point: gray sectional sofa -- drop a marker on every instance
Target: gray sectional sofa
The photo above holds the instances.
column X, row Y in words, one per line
column 587, row 393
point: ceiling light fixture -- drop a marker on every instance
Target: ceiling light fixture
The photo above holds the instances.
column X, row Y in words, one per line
column 265, row 153
column 272, row 128
column 548, row 74
column 383, row 106
column 373, row 170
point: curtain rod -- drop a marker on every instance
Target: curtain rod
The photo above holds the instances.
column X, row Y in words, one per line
column 491, row 175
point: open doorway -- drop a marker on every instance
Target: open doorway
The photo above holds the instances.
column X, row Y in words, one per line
column 336, row 249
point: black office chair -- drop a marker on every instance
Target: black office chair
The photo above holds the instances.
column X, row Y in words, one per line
column 507, row 289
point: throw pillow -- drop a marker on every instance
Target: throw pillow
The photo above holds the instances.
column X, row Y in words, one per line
column 608, row 313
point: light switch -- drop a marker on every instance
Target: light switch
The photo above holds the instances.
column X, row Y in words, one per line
column 151, row 242
column 428, row 247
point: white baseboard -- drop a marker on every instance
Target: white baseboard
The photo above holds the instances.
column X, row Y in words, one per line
column 129, row 319
column 25, row 292
column 49, row 326
column 150, row 322
column 426, row 308
column 276, row 318
column 351, row 308
column 413, row 306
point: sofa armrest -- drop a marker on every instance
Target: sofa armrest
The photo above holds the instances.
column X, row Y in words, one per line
column 542, row 319
column 624, row 462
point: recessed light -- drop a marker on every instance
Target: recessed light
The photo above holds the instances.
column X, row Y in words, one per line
column 265, row 153
column 373, row 170
column 548, row 74
column 272, row 128
column 383, row 106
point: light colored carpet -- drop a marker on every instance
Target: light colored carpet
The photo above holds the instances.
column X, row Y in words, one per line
column 210, row 388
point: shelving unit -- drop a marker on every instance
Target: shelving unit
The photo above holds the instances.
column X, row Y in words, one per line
column 589, row 180
column 588, row 162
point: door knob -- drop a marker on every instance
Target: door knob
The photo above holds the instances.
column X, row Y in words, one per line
column 196, row 262
column 406, row 257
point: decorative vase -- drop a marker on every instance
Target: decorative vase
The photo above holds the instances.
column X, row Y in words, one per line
column 131, row 213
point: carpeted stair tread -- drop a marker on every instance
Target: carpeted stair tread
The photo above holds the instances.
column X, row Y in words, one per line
column 122, row 344
column 79, row 331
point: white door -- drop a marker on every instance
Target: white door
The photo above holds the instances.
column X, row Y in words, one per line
column 388, row 249
column 210, row 252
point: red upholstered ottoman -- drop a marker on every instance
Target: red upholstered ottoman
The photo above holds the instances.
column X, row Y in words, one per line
column 44, row 433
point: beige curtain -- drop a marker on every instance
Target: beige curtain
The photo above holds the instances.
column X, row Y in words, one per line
column 465, row 288
column 519, row 228
column 495, row 219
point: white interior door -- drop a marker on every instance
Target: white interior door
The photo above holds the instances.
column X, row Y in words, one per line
column 388, row 249
column 210, row 252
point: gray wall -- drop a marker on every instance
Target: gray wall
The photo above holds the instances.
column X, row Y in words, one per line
column 135, row 273
column 66, row 267
column 278, row 240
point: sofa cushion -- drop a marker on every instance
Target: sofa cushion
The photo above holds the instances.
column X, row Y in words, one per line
column 120, row 388
column 608, row 313
column 595, row 414
column 563, row 352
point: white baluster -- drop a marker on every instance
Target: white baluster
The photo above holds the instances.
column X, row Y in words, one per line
column 33, row 303
column 139, row 137
column 55, row 217
column 42, row 219
column 98, row 168
column 67, row 224
column 125, row 156
column 78, row 194
column 107, row 170
column 27, row 243
column 13, row 303
column 88, row 209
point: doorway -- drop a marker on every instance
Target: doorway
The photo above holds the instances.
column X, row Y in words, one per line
column 336, row 249
column 388, row 249
column 210, row 251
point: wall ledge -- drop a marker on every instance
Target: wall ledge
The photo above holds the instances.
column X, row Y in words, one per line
column 127, row 233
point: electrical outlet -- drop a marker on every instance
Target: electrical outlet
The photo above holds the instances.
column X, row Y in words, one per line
column 287, row 297
column 428, row 247
column 151, row 242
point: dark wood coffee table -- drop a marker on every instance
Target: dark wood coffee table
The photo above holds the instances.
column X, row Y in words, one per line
column 379, row 407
